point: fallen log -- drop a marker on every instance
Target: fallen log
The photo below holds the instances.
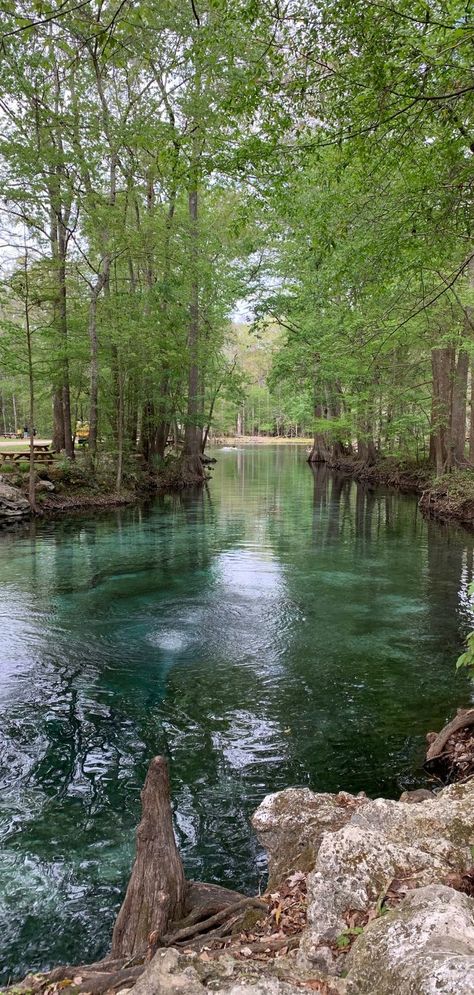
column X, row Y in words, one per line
column 157, row 887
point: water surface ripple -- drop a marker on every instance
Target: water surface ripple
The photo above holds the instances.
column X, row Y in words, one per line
column 281, row 627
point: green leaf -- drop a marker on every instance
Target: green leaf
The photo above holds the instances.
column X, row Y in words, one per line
column 343, row 940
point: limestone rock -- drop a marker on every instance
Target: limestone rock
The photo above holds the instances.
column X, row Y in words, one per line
column 13, row 504
column 263, row 986
column 424, row 947
column 384, row 840
column 45, row 485
column 290, row 825
column 170, row 973
column 416, row 796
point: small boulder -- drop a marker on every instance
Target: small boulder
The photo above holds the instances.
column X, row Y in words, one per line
column 13, row 504
column 424, row 947
column 265, row 986
column 416, row 796
column 44, row 485
column 169, row 974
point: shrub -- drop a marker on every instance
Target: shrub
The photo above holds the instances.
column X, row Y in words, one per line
column 467, row 658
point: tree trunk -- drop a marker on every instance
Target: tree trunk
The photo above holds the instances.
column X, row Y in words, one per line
column 15, row 416
column 31, row 388
column 156, row 890
column 191, row 455
column 58, row 421
column 59, row 251
column 162, row 433
column 371, row 452
column 163, row 417
column 334, row 413
column 440, row 447
column 210, row 416
column 4, row 415
column 60, row 200
column 145, row 436
column 458, row 414
column 320, row 451
column 192, row 433
column 133, row 418
column 94, row 372
column 471, row 427
column 68, row 443
column 119, row 426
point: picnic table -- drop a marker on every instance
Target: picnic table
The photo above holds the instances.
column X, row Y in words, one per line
column 42, row 451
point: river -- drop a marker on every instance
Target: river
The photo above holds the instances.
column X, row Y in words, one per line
column 284, row 626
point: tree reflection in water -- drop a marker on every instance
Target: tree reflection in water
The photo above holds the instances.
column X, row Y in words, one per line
column 282, row 626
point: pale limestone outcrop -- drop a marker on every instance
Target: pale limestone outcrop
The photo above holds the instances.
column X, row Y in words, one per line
column 169, row 973
column 424, row 947
column 384, row 840
column 361, row 850
column 13, row 504
column 290, row 825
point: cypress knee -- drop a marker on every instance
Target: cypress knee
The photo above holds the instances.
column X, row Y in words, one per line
column 156, row 890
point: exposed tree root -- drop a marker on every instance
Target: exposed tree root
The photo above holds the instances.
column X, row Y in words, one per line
column 463, row 719
column 260, row 946
column 97, row 984
column 170, row 939
column 207, row 899
column 212, row 937
column 186, row 471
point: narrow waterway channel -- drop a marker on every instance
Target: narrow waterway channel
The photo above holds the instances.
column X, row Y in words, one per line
column 283, row 626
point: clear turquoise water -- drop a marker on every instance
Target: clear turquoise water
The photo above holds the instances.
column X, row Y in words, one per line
column 281, row 627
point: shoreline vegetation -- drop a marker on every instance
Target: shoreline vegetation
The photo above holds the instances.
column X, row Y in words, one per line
column 69, row 486
column 448, row 498
column 154, row 188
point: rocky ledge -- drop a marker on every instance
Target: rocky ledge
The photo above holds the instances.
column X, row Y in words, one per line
column 366, row 897
column 386, row 907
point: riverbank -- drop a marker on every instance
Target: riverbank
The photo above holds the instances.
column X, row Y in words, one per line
column 63, row 486
column 449, row 498
column 67, row 487
column 261, row 440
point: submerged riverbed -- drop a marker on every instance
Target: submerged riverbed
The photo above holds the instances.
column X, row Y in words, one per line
column 283, row 626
